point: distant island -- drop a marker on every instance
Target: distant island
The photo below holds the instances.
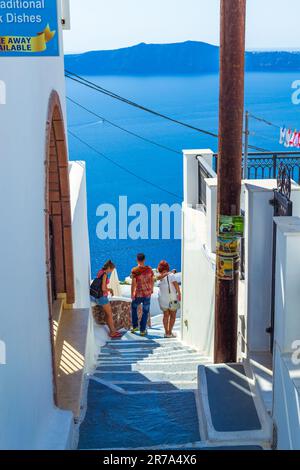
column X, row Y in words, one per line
column 186, row 58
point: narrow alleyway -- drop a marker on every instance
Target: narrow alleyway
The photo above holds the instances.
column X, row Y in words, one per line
column 142, row 394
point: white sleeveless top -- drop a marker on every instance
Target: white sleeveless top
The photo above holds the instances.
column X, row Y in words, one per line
column 164, row 297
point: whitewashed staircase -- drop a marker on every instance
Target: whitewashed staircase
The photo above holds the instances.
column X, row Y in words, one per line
column 136, row 366
column 143, row 395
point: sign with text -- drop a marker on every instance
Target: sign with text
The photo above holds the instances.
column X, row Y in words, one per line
column 28, row 28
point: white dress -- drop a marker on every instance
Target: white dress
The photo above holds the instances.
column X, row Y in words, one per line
column 164, row 296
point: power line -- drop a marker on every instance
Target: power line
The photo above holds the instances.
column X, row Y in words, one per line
column 262, row 136
column 264, row 121
column 152, row 142
column 95, row 87
column 122, row 167
column 268, row 123
column 258, row 149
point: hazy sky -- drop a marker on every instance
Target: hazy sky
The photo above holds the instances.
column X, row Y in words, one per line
column 111, row 24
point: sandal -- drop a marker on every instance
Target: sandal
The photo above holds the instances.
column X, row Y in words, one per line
column 115, row 335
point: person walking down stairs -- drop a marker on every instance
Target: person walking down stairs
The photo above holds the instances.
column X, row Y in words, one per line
column 103, row 300
column 169, row 297
column 141, row 291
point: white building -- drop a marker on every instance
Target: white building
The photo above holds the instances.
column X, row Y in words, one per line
column 45, row 322
column 272, row 367
column 46, row 330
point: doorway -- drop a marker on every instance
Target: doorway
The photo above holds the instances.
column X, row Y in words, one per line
column 58, row 222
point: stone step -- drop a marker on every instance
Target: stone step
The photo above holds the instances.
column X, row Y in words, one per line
column 229, row 405
column 157, row 352
column 169, row 353
column 135, row 376
column 132, row 352
column 157, row 360
column 144, row 419
column 162, row 366
column 137, row 340
column 151, row 357
column 139, row 347
column 70, row 356
column 140, row 387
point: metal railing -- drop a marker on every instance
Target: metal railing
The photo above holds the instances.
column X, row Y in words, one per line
column 204, row 171
column 265, row 165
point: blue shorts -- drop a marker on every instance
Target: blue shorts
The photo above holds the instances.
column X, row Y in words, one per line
column 102, row 301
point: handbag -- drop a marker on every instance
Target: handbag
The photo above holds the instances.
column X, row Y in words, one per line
column 174, row 305
column 96, row 288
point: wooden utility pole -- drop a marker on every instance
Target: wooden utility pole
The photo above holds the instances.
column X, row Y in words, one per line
column 233, row 19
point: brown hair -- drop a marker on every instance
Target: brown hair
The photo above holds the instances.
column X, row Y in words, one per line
column 108, row 265
column 163, row 266
column 141, row 257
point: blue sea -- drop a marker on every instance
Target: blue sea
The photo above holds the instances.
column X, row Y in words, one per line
column 154, row 175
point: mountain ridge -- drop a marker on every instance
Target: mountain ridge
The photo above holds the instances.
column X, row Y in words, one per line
column 185, row 58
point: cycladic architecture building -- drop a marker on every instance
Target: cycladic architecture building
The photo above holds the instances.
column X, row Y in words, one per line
column 269, row 299
column 46, row 344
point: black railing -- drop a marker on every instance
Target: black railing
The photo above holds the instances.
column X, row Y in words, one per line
column 202, row 174
column 266, row 165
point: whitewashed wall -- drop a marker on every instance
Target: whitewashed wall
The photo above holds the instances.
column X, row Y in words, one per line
column 258, row 262
column 198, row 254
column 28, row 416
column 259, row 254
column 198, row 278
column 81, row 247
column 198, row 263
column 286, row 406
column 81, row 252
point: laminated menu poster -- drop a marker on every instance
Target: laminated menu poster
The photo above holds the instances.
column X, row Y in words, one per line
column 28, row 28
column 228, row 246
column 231, row 225
column 225, row 268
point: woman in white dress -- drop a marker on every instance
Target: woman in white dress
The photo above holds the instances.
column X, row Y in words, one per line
column 169, row 297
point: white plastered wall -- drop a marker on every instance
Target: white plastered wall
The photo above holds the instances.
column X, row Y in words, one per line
column 29, row 419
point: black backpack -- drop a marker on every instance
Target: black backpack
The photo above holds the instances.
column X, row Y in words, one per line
column 96, row 288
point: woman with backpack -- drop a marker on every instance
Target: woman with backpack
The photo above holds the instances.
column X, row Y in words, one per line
column 103, row 301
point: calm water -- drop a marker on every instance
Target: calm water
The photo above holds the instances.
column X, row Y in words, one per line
column 190, row 99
